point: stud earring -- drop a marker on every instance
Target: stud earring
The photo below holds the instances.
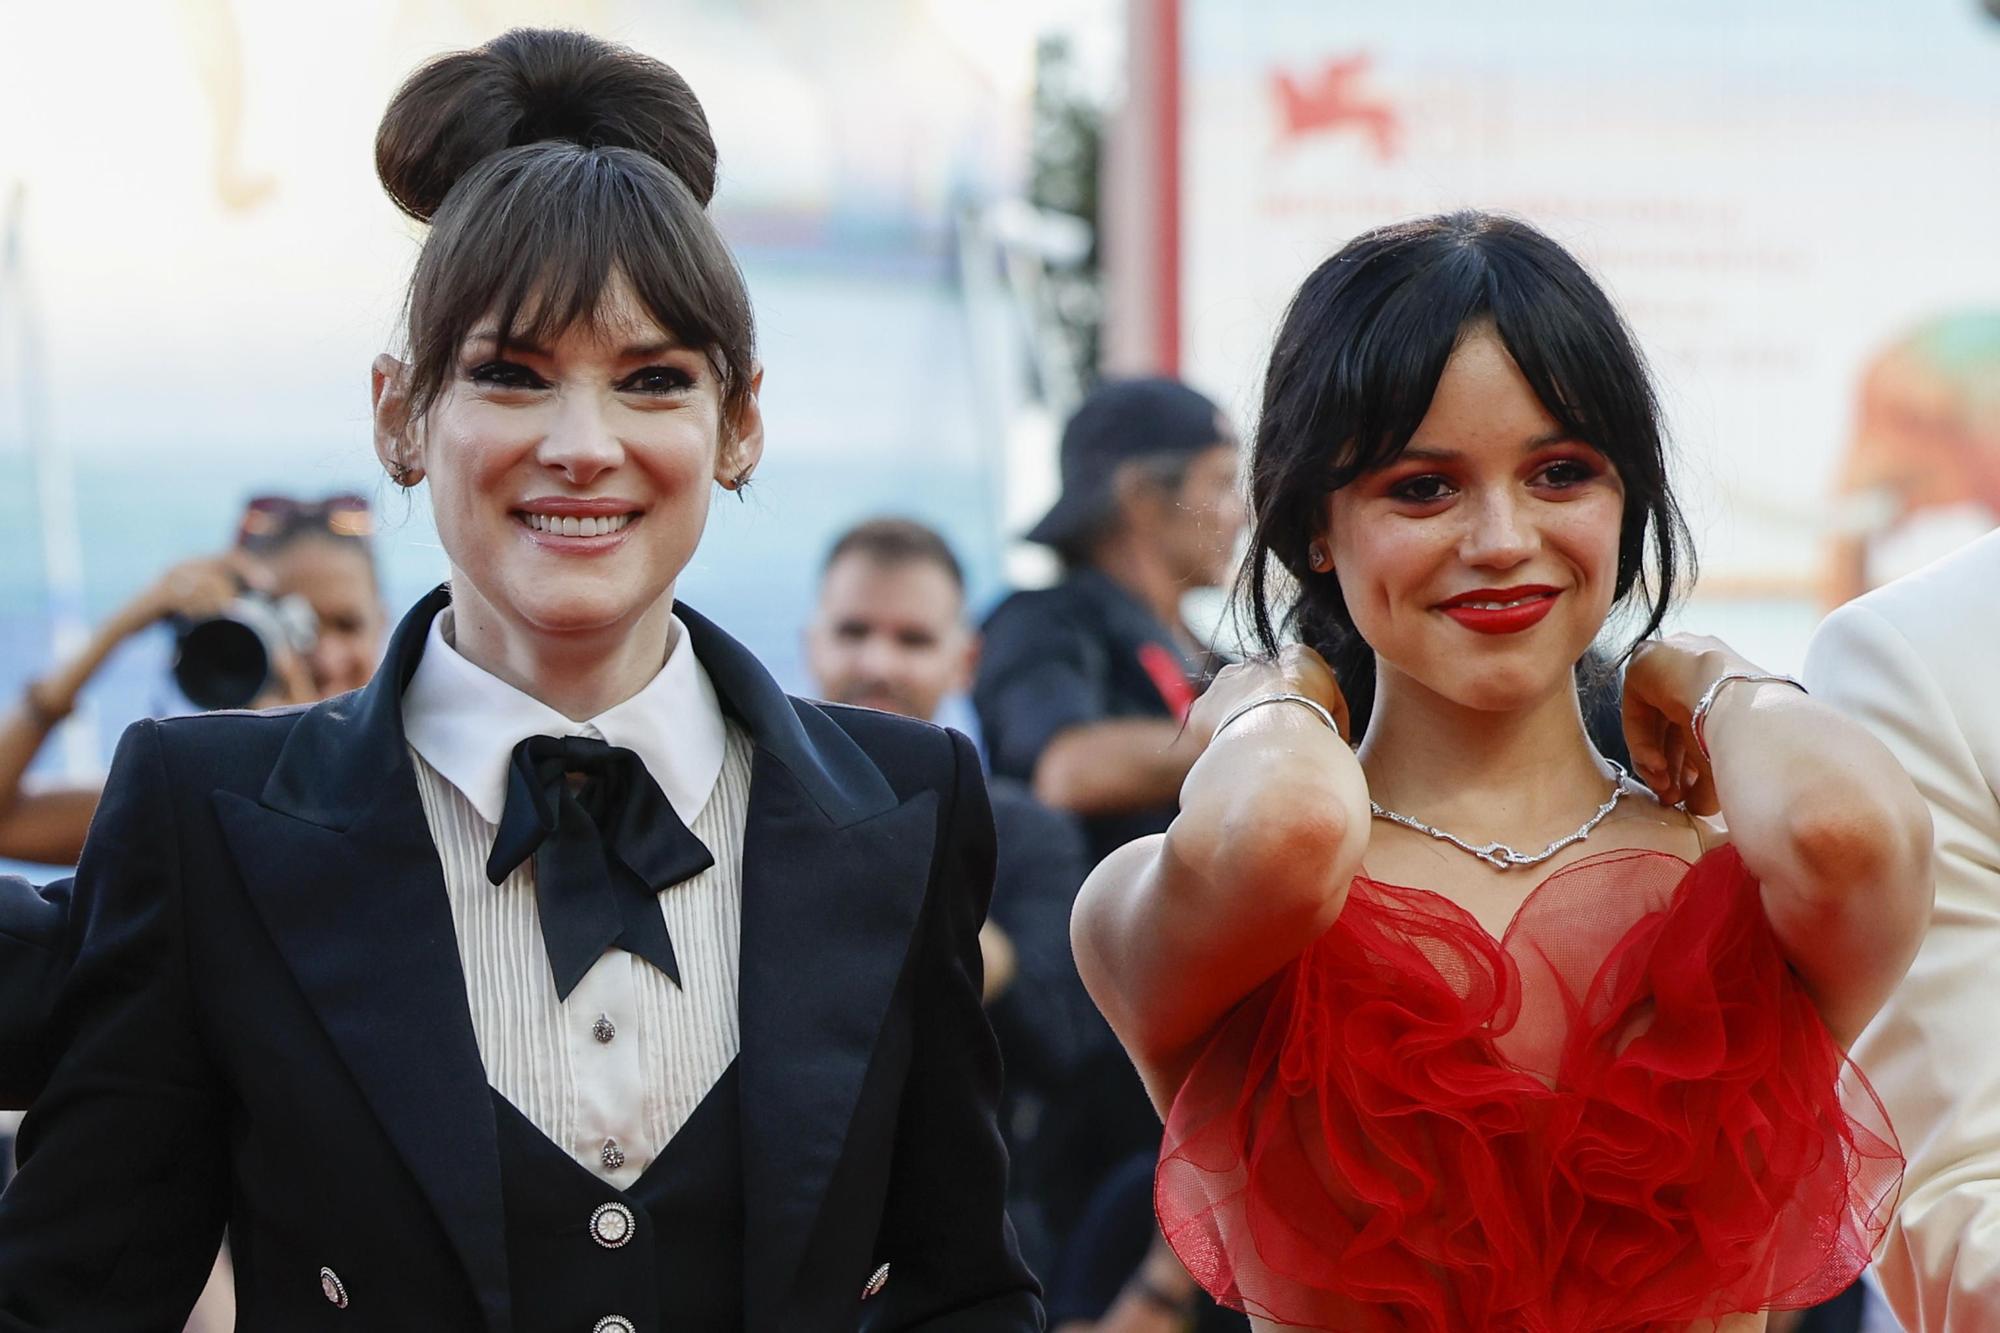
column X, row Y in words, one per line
column 1319, row 557
column 404, row 475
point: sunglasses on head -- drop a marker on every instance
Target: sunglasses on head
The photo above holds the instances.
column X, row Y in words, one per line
column 272, row 520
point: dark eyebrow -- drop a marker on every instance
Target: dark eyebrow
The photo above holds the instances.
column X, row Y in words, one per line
column 1543, row 441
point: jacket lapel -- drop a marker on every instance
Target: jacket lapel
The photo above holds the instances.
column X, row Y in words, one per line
column 835, row 873
column 827, row 918
column 338, row 860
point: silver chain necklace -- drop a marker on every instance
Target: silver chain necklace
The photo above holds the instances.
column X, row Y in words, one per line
column 1498, row 854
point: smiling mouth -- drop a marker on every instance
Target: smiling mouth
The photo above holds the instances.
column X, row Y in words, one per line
column 1501, row 610
column 570, row 525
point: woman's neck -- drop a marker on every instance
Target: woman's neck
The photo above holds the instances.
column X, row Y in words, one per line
column 1512, row 776
column 579, row 674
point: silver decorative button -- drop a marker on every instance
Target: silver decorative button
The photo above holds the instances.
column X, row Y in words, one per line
column 876, row 1281
column 611, row 1226
column 614, row 1323
column 604, row 1029
column 331, row 1287
column 611, row 1155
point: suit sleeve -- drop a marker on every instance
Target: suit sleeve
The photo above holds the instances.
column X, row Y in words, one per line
column 957, row 1267
column 31, row 966
column 117, row 1211
column 1048, row 1025
column 1930, row 1052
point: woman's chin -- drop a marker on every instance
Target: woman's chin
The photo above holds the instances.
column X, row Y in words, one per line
column 1505, row 690
column 579, row 610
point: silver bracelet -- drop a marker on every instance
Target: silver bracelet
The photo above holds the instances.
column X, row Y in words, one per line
column 1700, row 714
column 1261, row 700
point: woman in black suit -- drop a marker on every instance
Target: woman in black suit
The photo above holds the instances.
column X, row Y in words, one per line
column 570, row 975
column 31, row 931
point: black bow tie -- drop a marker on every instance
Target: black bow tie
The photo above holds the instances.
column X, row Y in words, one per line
column 604, row 849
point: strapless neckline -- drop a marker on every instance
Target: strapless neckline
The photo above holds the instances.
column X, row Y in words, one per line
column 1623, row 1113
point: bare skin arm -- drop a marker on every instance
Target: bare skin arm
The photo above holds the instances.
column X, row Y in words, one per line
column 48, row 826
column 1172, row 931
column 26, row 725
column 1119, row 764
column 1821, row 812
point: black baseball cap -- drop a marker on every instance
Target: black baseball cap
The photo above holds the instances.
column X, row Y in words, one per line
column 1119, row 421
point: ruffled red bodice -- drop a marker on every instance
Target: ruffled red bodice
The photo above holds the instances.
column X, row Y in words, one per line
column 1624, row 1115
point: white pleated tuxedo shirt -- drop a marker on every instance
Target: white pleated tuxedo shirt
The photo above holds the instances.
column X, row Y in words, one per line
column 614, row 1071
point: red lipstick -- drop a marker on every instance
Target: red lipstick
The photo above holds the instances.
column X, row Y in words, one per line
column 1501, row 610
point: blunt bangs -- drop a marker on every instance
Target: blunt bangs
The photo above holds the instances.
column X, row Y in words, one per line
column 1387, row 355
column 534, row 238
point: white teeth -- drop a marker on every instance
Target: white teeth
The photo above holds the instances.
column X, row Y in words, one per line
column 1499, row 606
column 571, row 526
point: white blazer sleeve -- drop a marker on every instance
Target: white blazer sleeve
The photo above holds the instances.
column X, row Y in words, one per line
column 1933, row 1052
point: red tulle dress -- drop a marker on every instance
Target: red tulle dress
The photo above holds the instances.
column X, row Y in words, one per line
column 1624, row 1115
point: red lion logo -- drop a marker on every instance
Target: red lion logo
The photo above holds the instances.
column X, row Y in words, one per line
column 1333, row 100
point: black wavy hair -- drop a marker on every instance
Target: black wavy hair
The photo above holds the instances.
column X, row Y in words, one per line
column 1352, row 373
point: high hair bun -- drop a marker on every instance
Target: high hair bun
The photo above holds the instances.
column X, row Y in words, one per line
column 534, row 85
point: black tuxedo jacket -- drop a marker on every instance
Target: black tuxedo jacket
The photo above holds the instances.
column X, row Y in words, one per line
column 264, row 1025
column 31, row 963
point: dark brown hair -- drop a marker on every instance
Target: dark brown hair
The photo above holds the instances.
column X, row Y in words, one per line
column 548, row 163
column 896, row 541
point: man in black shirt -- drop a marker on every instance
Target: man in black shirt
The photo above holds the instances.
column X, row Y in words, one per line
column 1082, row 687
column 890, row 632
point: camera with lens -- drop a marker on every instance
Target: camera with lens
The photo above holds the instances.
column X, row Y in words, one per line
column 229, row 660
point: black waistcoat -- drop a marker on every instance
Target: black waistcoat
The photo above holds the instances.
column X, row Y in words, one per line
column 680, row 1267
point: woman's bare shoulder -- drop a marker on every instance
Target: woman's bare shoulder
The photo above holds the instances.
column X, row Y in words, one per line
column 1643, row 823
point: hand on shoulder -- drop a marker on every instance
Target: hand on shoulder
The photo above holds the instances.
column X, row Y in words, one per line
column 1665, row 682
column 1297, row 670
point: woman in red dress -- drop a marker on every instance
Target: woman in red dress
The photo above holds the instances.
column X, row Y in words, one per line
column 1466, row 1029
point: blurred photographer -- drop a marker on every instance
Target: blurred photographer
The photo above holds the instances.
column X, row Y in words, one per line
column 292, row 613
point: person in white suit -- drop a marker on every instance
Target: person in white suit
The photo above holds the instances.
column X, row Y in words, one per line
column 1918, row 662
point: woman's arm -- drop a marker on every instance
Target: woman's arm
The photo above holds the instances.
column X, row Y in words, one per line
column 50, row 827
column 41, row 707
column 1171, row 932
column 1824, row 817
